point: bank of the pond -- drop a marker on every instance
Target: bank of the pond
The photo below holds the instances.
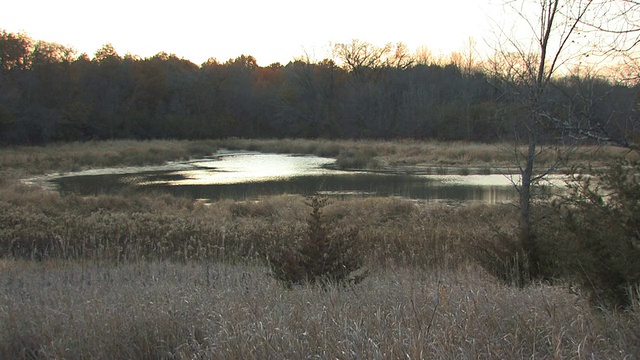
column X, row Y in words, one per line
column 402, row 154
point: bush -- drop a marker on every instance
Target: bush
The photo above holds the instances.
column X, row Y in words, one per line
column 600, row 216
column 321, row 256
column 357, row 159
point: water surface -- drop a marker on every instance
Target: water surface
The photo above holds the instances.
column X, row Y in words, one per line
column 245, row 175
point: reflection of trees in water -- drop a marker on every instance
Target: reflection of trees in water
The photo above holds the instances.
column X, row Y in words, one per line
column 360, row 184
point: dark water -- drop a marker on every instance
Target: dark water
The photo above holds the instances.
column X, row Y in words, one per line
column 249, row 176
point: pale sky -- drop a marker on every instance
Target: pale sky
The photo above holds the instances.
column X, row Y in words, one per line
column 271, row 31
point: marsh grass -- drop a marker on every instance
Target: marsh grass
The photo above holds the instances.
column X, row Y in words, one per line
column 39, row 224
column 161, row 310
column 430, row 157
column 66, row 157
column 358, row 159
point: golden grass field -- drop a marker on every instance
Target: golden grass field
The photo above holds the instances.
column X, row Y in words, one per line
column 153, row 276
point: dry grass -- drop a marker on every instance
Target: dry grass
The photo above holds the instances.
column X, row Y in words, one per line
column 39, row 224
column 430, row 155
column 76, row 156
column 152, row 310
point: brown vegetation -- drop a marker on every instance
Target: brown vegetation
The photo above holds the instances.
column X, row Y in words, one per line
column 157, row 310
column 403, row 155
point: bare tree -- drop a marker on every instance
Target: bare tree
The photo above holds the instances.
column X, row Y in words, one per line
column 523, row 70
column 361, row 58
column 400, row 57
column 365, row 60
column 615, row 26
column 424, row 56
column 610, row 32
column 467, row 59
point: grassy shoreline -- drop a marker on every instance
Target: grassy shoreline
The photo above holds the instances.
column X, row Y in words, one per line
column 401, row 154
column 154, row 276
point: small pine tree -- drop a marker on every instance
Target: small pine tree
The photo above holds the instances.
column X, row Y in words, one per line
column 600, row 232
column 322, row 257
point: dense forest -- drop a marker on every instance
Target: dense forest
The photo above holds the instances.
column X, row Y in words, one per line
column 49, row 93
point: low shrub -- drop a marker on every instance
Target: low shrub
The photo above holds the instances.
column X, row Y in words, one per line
column 356, row 159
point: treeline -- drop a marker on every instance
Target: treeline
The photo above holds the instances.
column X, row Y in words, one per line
column 48, row 93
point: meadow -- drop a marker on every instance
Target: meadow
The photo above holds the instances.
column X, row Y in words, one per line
column 148, row 275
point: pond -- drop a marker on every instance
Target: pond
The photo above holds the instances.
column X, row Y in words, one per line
column 249, row 175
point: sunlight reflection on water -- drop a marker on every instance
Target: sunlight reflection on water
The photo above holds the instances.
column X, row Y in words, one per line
column 249, row 167
column 492, row 180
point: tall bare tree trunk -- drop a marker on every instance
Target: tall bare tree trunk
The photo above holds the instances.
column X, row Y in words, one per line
column 527, row 236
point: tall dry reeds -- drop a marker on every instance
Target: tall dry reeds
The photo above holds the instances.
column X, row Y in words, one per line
column 64, row 157
column 39, row 224
column 425, row 156
column 428, row 155
column 165, row 310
